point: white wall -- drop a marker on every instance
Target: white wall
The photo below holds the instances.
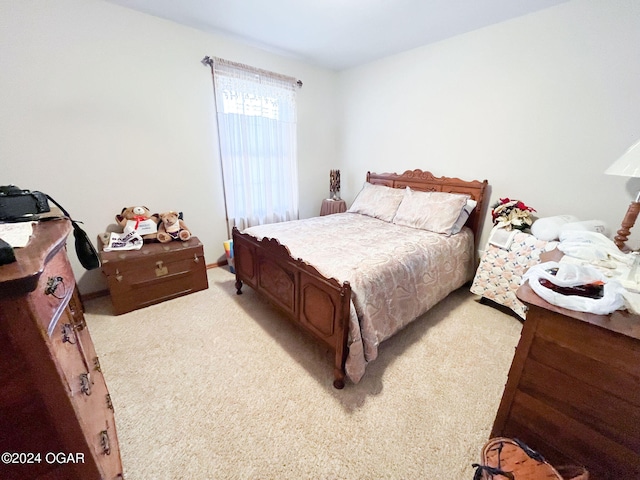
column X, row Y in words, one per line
column 104, row 107
column 540, row 106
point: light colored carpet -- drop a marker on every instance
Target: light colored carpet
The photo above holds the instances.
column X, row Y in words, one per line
column 218, row 386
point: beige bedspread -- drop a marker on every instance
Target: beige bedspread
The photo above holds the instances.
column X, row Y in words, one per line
column 396, row 273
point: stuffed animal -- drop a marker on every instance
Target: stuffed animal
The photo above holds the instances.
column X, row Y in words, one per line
column 141, row 220
column 172, row 228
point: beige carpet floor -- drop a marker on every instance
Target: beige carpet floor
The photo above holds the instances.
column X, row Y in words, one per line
column 218, row 386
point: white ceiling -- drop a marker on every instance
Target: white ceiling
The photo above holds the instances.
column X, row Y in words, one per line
column 338, row 34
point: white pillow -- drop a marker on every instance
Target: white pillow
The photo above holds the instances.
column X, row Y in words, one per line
column 597, row 226
column 464, row 215
column 548, row 228
column 378, row 201
column 433, row 211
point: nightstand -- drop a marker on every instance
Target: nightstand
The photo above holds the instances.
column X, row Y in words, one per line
column 500, row 271
column 330, row 206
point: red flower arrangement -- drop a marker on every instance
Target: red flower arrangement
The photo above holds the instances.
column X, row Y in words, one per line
column 510, row 214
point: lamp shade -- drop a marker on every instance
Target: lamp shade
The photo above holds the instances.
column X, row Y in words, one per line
column 628, row 165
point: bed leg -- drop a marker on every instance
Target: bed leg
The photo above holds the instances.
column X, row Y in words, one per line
column 238, row 287
column 338, row 383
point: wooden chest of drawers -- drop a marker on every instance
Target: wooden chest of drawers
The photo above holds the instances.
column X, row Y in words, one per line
column 56, row 415
column 573, row 391
column 155, row 273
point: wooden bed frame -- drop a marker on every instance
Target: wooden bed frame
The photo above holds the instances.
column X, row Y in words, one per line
column 319, row 305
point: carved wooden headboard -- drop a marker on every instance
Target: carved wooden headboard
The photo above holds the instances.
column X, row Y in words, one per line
column 426, row 182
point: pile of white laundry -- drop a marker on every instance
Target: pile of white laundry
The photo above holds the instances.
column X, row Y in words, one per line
column 590, row 258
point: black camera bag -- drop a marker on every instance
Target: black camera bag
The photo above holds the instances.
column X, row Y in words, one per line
column 16, row 203
column 85, row 250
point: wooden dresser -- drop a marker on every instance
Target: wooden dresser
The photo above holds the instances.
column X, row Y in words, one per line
column 573, row 391
column 56, row 416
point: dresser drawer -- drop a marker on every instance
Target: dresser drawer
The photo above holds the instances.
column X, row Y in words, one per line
column 53, row 292
column 75, row 355
column 593, row 406
column 591, row 341
column 590, row 361
column 95, row 412
column 73, row 358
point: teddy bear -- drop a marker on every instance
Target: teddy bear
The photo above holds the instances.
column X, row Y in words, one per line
column 141, row 220
column 172, row 228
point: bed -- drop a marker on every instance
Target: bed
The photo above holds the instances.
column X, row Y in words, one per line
column 353, row 279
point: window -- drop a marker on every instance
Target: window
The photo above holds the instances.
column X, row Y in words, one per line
column 256, row 114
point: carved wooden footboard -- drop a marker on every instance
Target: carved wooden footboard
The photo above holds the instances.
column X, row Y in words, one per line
column 317, row 304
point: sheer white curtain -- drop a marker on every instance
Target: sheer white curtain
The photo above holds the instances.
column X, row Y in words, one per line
column 256, row 114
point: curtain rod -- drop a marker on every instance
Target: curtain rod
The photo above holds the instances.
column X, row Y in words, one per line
column 210, row 62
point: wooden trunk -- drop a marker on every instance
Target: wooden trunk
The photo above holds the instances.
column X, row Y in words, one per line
column 573, row 392
column 56, row 415
column 155, row 273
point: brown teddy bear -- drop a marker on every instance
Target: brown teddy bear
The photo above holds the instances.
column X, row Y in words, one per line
column 172, row 228
column 141, row 220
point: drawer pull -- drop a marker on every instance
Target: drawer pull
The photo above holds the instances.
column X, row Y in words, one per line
column 104, row 442
column 118, row 275
column 161, row 270
column 68, row 334
column 52, row 286
column 195, row 258
column 81, row 324
column 85, row 384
